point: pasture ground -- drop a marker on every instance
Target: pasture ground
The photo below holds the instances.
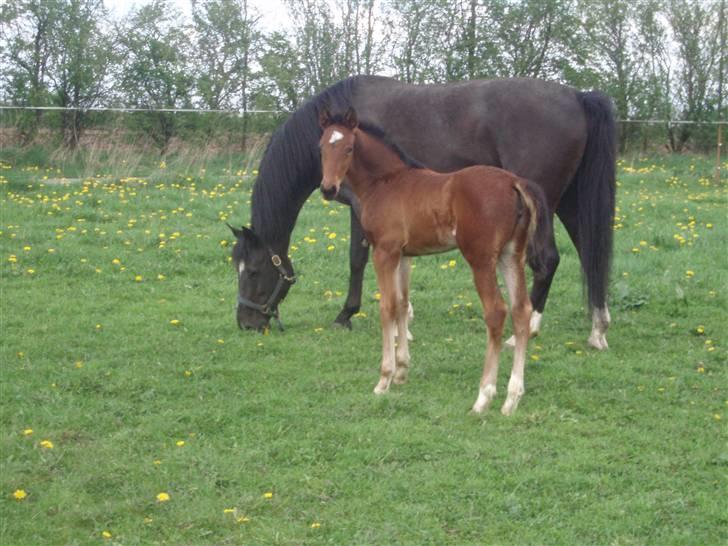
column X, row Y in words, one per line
column 135, row 412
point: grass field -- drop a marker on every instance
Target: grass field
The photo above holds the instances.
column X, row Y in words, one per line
column 135, row 412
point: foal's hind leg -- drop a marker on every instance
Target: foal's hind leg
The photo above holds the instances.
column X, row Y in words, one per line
column 403, row 335
column 495, row 311
column 512, row 267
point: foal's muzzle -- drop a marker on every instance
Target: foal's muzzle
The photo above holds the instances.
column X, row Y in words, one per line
column 329, row 193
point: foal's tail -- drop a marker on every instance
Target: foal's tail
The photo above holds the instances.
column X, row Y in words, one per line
column 539, row 223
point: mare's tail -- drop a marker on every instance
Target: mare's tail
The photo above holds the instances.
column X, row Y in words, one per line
column 595, row 184
column 540, row 225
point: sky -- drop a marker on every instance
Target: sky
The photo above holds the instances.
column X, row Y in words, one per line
column 273, row 12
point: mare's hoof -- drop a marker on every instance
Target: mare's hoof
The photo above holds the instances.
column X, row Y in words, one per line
column 343, row 323
column 598, row 341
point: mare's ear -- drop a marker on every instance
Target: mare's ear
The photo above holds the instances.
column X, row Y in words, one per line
column 245, row 234
column 350, row 118
column 324, row 117
column 237, row 232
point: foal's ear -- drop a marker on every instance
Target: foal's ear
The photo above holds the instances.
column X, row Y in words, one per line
column 324, row 117
column 350, row 118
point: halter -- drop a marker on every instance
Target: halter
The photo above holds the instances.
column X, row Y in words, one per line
column 270, row 307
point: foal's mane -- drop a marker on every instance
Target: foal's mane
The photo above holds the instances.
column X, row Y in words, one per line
column 291, row 165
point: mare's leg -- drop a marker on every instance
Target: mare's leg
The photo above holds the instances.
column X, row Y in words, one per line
column 567, row 213
column 543, row 276
column 403, row 335
column 358, row 257
column 386, row 264
column 512, row 268
column 495, row 312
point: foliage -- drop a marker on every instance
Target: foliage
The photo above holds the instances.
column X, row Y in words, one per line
column 661, row 59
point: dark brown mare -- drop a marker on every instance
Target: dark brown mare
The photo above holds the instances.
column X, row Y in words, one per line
column 561, row 138
column 490, row 214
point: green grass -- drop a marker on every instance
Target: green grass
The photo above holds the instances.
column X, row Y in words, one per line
column 622, row 447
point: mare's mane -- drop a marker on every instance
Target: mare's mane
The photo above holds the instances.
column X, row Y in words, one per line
column 378, row 133
column 291, row 165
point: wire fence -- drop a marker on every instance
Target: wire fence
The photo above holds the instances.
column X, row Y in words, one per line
column 238, row 128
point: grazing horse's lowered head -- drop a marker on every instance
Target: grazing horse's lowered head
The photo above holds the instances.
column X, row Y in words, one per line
column 264, row 279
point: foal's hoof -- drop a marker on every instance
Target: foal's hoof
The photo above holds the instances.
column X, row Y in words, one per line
column 400, row 376
column 383, row 386
column 510, row 406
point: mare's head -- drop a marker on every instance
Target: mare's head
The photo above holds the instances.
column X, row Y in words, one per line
column 263, row 280
column 337, row 149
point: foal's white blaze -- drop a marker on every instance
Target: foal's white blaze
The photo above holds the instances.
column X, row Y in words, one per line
column 241, row 267
column 335, row 137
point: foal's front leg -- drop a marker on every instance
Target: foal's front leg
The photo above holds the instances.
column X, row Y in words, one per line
column 386, row 265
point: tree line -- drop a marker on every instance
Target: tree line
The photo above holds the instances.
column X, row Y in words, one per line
column 658, row 59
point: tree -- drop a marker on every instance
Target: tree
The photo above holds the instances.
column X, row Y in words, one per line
column 697, row 34
column 27, row 32
column 156, row 72
column 81, row 55
column 227, row 46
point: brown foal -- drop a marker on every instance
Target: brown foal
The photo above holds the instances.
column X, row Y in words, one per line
column 407, row 210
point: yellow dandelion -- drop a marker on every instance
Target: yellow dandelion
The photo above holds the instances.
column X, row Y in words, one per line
column 268, row 495
column 174, row 322
column 46, row 444
column 106, row 534
column 700, row 330
column 161, row 277
column 163, row 497
column 242, row 519
column 27, row 431
column 535, row 358
column 19, row 494
column 180, row 443
column 13, row 259
column 229, row 510
column 138, row 278
column 315, row 525
column 188, row 373
column 332, row 235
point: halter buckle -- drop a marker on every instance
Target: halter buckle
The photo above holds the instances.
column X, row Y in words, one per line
column 276, row 260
